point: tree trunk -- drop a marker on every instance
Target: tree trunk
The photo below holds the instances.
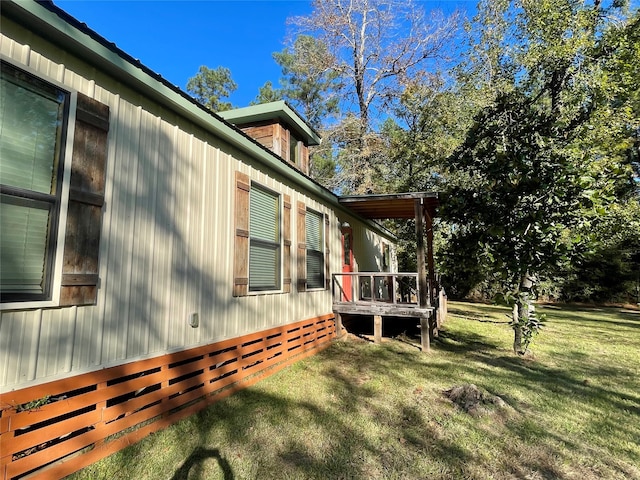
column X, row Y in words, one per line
column 521, row 313
column 517, row 330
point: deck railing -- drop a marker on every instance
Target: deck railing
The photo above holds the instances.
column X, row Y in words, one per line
column 399, row 289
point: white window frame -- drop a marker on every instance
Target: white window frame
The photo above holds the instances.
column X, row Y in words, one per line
column 66, row 154
column 322, row 252
column 278, row 287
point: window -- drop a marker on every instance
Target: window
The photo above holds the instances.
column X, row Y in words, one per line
column 264, row 239
column 298, row 153
column 33, row 118
column 261, row 227
column 315, row 244
column 294, row 150
column 386, row 257
column 53, row 152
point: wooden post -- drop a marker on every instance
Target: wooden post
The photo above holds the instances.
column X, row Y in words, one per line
column 338, row 325
column 430, row 267
column 423, row 296
column 377, row 329
column 433, row 327
column 425, row 340
column 442, row 308
column 423, row 299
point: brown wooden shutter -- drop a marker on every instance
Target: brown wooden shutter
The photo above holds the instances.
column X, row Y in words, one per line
column 304, row 158
column 302, row 247
column 286, row 232
column 241, row 254
column 327, row 251
column 86, row 198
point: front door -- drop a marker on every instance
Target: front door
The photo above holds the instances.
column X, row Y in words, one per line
column 347, row 264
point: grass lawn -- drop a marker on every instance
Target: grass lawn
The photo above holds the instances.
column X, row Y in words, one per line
column 364, row 411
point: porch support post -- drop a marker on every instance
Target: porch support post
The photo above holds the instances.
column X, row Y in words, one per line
column 425, row 340
column 433, row 329
column 338, row 325
column 377, row 329
column 423, row 297
column 423, row 301
column 430, row 267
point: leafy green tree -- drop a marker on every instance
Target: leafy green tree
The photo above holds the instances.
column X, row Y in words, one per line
column 376, row 47
column 307, row 80
column 211, row 86
column 609, row 268
column 267, row 94
column 526, row 177
column 435, row 119
column 311, row 89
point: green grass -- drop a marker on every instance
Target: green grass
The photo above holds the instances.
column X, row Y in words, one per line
column 364, row 411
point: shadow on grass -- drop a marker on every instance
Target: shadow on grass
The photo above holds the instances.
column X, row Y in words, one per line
column 351, row 380
column 338, row 416
column 467, row 315
column 464, row 343
column 192, row 467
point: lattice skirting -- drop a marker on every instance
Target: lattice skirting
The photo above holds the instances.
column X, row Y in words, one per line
column 54, row 429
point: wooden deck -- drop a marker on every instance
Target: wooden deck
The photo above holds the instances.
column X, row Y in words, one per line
column 382, row 294
column 384, row 309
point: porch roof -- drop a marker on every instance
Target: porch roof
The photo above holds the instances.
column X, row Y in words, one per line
column 383, row 206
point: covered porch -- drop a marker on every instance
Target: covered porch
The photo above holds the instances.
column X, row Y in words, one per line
column 386, row 294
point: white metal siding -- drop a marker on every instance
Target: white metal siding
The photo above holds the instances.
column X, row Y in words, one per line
column 166, row 247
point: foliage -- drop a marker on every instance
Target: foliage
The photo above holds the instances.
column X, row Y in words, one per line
column 33, row 405
column 377, row 45
column 307, row 79
column 267, row 94
column 609, row 268
column 530, row 173
column 371, row 49
column 211, row 86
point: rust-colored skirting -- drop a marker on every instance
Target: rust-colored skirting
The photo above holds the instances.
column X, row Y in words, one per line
column 54, row 429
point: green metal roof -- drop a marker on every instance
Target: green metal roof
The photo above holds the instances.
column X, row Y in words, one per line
column 280, row 110
column 51, row 22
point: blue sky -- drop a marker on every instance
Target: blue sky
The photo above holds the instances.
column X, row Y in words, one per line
column 174, row 38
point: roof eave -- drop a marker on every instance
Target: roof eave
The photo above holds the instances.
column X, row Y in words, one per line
column 273, row 110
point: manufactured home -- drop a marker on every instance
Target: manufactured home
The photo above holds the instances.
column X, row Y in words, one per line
column 157, row 256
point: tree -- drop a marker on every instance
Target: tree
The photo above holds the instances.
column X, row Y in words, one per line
column 609, row 268
column 267, row 94
column 526, row 177
column 307, row 79
column 377, row 46
column 210, row 86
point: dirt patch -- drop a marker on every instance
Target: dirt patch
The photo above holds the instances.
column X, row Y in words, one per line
column 473, row 400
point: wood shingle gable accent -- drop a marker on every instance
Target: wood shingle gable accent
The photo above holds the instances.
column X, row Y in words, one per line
column 302, row 246
column 264, row 133
column 241, row 250
column 80, row 269
column 277, row 137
